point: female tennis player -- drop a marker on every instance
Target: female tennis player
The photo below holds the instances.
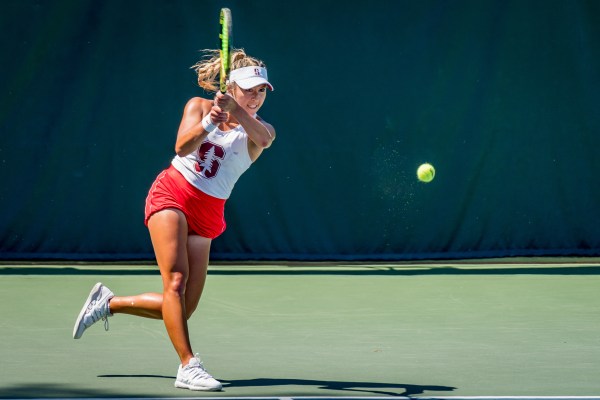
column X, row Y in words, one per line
column 216, row 142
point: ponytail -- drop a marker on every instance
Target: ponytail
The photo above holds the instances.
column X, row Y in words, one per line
column 208, row 68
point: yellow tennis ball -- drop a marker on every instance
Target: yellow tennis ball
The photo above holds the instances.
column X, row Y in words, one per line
column 426, row 172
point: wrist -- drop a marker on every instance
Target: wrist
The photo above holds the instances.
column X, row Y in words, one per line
column 207, row 124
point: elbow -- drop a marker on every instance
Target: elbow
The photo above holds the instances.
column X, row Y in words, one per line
column 178, row 148
column 181, row 151
column 264, row 143
column 265, row 139
column 183, row 148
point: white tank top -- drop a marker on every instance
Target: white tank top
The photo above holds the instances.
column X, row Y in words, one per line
column 218, row 163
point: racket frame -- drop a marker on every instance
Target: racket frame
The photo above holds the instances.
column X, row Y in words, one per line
column 225, row 49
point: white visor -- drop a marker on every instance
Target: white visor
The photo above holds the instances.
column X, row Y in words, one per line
column 249, row 77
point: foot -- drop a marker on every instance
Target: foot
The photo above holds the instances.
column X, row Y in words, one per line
column 94, row 309
column 194, row 377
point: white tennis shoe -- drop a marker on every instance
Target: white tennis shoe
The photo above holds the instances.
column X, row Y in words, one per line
column 94, row 309
column 194, row 377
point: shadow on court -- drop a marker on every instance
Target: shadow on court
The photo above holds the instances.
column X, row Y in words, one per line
column 43, row 390
column 40, row 390
column 58, row 391
column 363, row 387
column 387, row 389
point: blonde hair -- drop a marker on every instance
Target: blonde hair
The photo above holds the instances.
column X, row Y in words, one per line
column 209, row 66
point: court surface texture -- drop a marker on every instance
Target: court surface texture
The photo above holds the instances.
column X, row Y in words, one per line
column 475, row 329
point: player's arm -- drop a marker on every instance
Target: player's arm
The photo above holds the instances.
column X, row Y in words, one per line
column 261, row 134
column 253, row 148
column 192, row 131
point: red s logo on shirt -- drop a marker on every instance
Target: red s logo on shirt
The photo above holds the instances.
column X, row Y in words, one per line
column 210, row 156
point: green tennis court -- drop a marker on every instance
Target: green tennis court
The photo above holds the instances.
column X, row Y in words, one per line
column 500, row 328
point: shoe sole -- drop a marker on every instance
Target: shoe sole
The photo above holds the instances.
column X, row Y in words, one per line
column 182, row 385
column 77, row 329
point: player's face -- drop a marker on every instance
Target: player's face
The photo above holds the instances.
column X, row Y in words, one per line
column 251, row 99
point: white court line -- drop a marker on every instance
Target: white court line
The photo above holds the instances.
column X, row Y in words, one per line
column 339, row 398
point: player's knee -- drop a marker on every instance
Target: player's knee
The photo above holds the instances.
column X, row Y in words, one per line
column 175, row 284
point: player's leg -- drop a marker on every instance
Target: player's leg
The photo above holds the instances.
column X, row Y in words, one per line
column 168, row 231
column 198, row 256
column 192, row 375
column 148, row 305
column 102, row 303
column 169, row 234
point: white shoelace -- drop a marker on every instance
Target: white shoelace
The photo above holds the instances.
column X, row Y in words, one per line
column 97, row 313
column 198, row 371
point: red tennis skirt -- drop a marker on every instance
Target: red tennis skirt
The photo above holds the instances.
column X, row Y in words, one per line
column 205, row 214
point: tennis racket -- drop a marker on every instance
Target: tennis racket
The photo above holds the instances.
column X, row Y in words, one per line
column 225, row 50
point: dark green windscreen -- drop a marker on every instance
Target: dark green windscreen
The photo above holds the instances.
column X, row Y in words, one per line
column 502, row 97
